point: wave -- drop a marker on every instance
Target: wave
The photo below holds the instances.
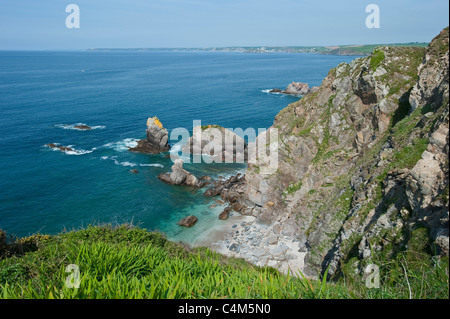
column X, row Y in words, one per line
column 79, row 152
column 268, row 91
column 128, row 164
column 123, row 145
column 74, row 126
column 176, row 148
column 176, row 152
column 153, row 165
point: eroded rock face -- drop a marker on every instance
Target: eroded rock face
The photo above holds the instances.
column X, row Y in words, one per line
column 157, row 140
column 180, row 176
column 221, row 144
column 362, row 161
column 432, row 85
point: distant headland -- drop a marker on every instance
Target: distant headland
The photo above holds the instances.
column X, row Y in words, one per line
column 351, row 50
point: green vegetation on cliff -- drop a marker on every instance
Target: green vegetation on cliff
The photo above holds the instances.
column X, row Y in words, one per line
column 129, row 262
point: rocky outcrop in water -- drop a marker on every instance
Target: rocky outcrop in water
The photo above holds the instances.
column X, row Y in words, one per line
column 83, row 127
column 157, row 140
column 59, row 147
column 296, row 88
column 180, row 176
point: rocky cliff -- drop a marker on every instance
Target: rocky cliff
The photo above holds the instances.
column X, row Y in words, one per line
column 363, row 168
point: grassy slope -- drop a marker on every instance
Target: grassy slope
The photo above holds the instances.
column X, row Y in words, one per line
column 128, row 262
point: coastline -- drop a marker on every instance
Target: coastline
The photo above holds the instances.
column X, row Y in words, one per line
column 242, row 236
column 260, row 245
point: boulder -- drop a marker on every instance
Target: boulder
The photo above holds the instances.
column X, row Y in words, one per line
column 297, row 88
column 224, row 214
column 180, row 176
column 188, row 221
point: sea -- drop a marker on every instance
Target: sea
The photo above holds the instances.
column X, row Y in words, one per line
column 44, row 95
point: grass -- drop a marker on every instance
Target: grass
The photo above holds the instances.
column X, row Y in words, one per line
column 126, row 262
column 403, row 278
column 410, row 273
column 291, row 189
column 376, row 59
column 205, row 127
column 129, row 262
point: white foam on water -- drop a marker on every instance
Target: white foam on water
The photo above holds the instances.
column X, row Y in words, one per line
column 176, row 148
column 153, row 165
column 268, row 91
column 78, row 152
column 127, row 164
column 122, row 145
column 175, row 151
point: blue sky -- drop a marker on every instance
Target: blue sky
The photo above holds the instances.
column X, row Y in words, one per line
column 40, row 24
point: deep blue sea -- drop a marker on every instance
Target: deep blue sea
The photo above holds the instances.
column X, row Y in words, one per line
column 43, row 95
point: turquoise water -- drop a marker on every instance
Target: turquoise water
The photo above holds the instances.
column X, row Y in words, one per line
column 44, row 94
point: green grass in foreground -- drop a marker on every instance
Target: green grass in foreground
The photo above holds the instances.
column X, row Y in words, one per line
column 129, row 262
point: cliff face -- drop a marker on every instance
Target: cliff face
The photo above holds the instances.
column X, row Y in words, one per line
column 363, row 163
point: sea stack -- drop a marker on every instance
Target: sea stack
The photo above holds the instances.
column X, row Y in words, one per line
column 180, row 176
column 157, row 138
column 297, row 88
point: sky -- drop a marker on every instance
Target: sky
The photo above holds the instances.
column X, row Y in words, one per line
column 41, row 24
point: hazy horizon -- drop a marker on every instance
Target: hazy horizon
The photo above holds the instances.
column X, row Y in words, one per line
column 159, row 24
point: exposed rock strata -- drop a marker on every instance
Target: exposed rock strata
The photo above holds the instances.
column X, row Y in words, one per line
column 362, row 170
column 220, row 143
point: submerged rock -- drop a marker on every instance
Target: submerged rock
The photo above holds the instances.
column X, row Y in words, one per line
column 296, row 88
column 83, row 127
column 276, row 91
column 61, row 148
column 188, row 221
